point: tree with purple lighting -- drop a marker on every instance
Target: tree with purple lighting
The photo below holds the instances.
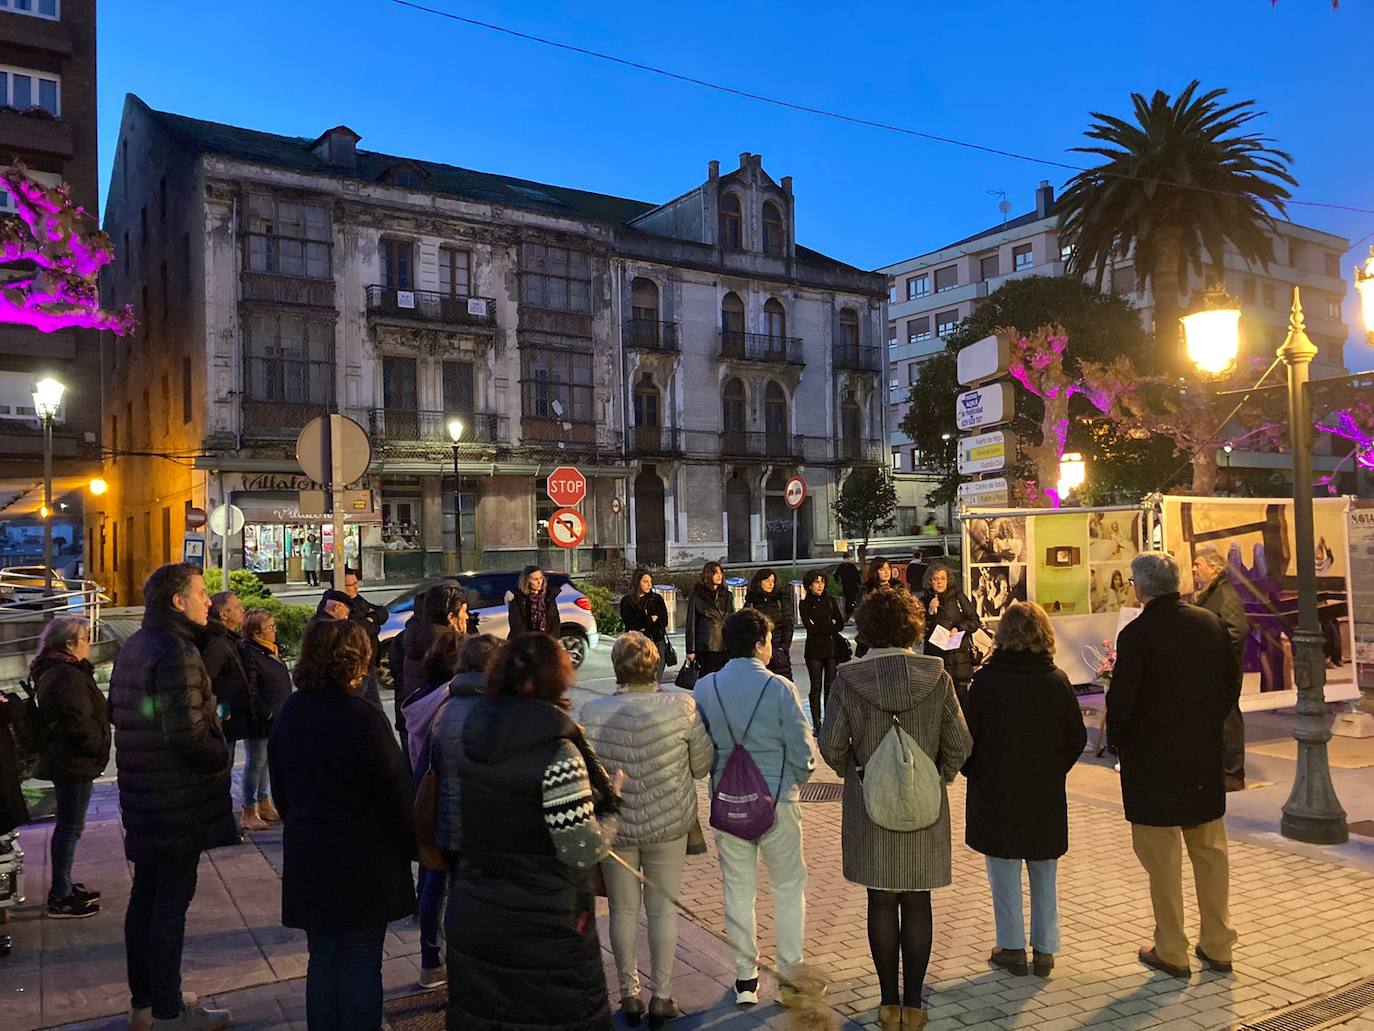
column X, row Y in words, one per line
column 61, row 252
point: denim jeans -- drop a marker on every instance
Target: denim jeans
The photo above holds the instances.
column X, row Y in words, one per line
column 343, row 981
column 255, row 783
column 154, row 930
column 433, row 902
column 1004, row 878
column 73, row 798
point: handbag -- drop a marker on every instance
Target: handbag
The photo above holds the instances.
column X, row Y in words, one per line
column 426, row 813
column 843, row 653
column 669, row 653
column 687, row 676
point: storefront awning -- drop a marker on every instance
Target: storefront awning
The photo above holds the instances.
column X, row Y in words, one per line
column 283, row 506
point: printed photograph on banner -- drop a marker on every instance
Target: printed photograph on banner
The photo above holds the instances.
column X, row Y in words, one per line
column 997, row 539
column 1113, row 536
column 995, row 588
column 1109, row 585
column 1061, row 563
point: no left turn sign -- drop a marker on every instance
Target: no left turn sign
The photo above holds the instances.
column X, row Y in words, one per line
column 567, row 528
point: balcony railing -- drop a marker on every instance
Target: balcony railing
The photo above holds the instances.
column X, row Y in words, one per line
column 760, row 347
column 745, row 444
column 430, row 306
column 403, row 426
column 855, row 358
column 650, row 335
column 655, row 440
column 856, row 449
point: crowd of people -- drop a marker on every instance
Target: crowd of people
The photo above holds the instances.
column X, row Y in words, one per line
column 518, row 814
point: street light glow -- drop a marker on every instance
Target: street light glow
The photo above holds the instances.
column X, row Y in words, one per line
column 1073, row 472
column 47, row 397
column 455, row 429
column 1213, row 336
column 98, row 486
column 1364, row 284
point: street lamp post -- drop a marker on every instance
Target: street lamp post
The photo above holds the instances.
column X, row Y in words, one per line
column 455, row 433
column 47, row 399
column 1227, row 448
column 950, row 462
column 1312, row 812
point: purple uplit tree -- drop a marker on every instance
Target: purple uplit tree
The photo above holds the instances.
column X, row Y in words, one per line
column 1037, row 363
column 57, row 250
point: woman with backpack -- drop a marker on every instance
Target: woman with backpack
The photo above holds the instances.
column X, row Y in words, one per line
column 707, row 606
column 77, row 724
column 767, row 594
column 1027, row 734
column 823, row 619
column 892, row 690
column 949, row 608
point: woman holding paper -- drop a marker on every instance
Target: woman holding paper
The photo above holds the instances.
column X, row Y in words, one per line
column 950, row 622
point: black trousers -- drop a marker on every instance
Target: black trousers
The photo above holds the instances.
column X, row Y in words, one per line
column 155, row 929
column 822, row 674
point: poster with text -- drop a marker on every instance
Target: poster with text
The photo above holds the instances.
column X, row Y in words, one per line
column 1061, row 564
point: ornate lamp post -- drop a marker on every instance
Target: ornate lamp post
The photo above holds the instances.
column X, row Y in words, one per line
column 455, row 433
column 47, row 400
column 1312, row 812
column 1228, row 447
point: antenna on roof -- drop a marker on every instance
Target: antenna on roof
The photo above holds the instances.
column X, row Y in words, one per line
column 1004, row 205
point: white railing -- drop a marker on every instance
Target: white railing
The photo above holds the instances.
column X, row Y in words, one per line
column 24, row 602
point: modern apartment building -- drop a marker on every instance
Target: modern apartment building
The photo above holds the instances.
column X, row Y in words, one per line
column 47, row 122
column 930, row 294
column 689, row 356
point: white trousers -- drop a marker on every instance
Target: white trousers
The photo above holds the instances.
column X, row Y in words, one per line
column 781, row 849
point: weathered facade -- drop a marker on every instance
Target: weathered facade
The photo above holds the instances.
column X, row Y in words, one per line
column 283, row 278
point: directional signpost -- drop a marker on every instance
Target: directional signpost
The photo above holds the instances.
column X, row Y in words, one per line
column 986, row 452
column 334, row 450
column 567, row 487
column 793, row 496
column 990, row 401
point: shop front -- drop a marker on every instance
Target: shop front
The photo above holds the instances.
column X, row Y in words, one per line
column 275, row 531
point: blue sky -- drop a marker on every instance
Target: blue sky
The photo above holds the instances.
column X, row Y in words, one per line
column 1018, row 76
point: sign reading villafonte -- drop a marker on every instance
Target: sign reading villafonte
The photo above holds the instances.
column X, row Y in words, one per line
column 986, row 452
column 991, row 405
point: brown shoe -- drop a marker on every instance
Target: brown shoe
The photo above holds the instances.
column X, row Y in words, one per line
column 913, row 1018
column 1043, row 963
column 1013, row 960
column 661, row 1011
column 249, row 820
column 889, row 1018
column 1151, row 959
column 632, row 1009
column 1220, row 966
column 267, row 811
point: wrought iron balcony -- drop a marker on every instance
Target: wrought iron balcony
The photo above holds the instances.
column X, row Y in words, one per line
column 855, row 358
column 654, row 440
column 430, row 306
column 651, row 335
column 403, row 426
column 760, row 347
column 744, row 444
column 857, row 449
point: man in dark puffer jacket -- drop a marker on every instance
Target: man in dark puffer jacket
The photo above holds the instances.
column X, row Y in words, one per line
column 173, row 765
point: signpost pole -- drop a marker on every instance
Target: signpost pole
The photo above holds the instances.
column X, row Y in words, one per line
column 794, row 540
column 334, row 447
column 224, row 540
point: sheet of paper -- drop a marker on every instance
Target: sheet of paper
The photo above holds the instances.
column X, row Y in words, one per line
column 945, row 639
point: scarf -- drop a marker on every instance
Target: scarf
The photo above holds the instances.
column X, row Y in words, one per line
column 538, row 604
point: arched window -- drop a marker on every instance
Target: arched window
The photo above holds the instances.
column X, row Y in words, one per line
column 732, row 326
column 774, row 232
column 775, row 315
column 851, row 428
column 647, row 397
column 731, row 222
column 775, row 422
column 849, row 329
column 732, row 406
column 644, row 321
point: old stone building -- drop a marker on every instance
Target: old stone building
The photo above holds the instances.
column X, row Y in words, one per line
column 688, row 357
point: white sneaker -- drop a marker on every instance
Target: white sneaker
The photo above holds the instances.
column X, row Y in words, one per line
column 197, row 1017
column 433, row 977
column 747, row 992
column 142, row 1019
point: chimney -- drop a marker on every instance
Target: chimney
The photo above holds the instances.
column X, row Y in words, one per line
column 744, row 157
column 338, row 148
column 713, row 169
column 1044, row 199
column 787, row 185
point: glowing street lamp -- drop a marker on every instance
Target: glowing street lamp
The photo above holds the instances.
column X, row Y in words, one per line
column 98, row 486
column 455, row 434
column 1073, row 472
column 47, row 401
column 1212, row 333
column 1364, row 285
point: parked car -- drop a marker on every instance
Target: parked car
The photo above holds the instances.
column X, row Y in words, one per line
column 488, row 594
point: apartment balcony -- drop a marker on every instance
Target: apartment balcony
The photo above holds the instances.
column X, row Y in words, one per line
column 856, row 450
column 651, row 335
column 760, row 348
column 278, row 420
column 854, row 358
column 650, row 441
column 392, row 426
column 430, row 307
column 37, row 133
column 785, row 447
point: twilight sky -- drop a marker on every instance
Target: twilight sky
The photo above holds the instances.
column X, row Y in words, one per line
column 1013, row 75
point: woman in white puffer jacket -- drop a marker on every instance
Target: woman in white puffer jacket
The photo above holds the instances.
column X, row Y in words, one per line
column 660, row 741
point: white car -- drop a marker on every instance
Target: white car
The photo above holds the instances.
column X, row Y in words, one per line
column 488, row 594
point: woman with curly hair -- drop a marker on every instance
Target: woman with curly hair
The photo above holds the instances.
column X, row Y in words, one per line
column 340, row 784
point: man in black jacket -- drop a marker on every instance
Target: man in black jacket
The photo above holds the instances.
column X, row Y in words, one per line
column 173, row 765
column 371, row 617
column 1176, row 678
column 1216, row 593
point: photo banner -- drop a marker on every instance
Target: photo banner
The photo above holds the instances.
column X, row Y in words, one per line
column 1361, row 530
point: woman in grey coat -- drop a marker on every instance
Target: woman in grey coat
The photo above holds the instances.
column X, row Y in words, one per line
column 661, row 743
column 899, row 869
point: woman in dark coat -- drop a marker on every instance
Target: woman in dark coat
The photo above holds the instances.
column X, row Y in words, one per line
column 823, row 619
column 76, row 752
column 707, row 606
column 643, row 609
column 767, row 594
column 533, row 606
column 538, row 812
column 1027, row 734
column 270, row 683
column 349, row 837
column 241, row 706
column 950, row 608
column 882, row 576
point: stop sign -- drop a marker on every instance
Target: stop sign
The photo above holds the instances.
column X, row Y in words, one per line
column 567, row 486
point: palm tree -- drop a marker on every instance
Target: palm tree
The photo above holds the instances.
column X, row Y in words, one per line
column 1181, row 181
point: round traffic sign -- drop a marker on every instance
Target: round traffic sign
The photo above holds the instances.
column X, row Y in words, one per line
column 195, row 518
column 314, row 454
column 567, row 528
column 795, row 492
column 231, row 514
column 617, row 506
column 567, row 486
